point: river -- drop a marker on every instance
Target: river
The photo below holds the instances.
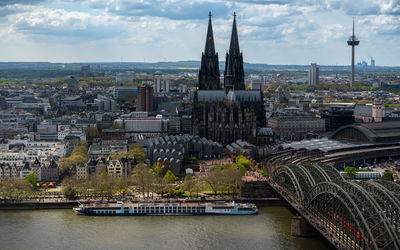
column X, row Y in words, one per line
column 62, row 229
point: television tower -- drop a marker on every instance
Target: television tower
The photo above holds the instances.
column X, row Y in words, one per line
column 353, row 41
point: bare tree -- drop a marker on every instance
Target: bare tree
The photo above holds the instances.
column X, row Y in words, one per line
column 232, row 180
column 143, row 179
column 214, row 180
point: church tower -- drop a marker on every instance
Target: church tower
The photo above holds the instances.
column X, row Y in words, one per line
column 209, row 71
column 234, row 73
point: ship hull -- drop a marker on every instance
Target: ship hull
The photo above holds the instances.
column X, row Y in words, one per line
column 167, row 209
column 91, row 213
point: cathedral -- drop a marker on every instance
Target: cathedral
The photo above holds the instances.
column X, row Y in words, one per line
column 229, row 113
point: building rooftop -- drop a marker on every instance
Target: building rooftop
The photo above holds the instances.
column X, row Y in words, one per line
column 231, row 96
column 264, row 132
column 363, row 110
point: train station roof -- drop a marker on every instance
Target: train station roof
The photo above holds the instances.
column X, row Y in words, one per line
column 373, row 132
column 323, row 144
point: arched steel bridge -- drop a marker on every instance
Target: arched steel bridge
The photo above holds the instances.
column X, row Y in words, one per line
column 352, row 215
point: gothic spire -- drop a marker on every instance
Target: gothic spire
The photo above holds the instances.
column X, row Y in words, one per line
column 234, row 46
column 234, row 73
column 209, row 70
column 209, row 49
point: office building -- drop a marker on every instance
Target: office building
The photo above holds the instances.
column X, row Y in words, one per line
column 313, row 74
column 145, row 99
column 121, row 92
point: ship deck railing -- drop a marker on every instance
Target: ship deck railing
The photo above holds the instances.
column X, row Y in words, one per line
column 168, row 204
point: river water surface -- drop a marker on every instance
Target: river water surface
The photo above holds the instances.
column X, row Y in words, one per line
column 62, row 229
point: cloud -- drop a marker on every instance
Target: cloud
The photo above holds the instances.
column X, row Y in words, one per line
column 381, row 25
column 22, row 2
column 171, row 9
column 176, row 29
column 363, row 7
column 268, row 15
column 59, row 22
column 12, row 9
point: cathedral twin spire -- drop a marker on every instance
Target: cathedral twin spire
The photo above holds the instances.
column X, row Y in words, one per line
column 209, row 71
column 210, row 48
column 234, row 73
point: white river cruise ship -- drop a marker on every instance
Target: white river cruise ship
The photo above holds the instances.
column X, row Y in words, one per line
column 166, row 208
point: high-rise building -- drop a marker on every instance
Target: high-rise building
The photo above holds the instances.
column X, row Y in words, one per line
column 372, row 62
column 145, row 99
column 182, row 88
column 256, row 82
column 166, row 84
column 85, row 71
column 157, row 82
column 313, row 74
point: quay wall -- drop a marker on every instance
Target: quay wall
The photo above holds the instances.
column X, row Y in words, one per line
column 28, row 205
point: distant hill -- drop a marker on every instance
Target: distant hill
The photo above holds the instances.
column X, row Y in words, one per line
column 179, row 65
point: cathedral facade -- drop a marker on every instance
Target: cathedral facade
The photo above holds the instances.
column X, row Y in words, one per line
column 229, row 113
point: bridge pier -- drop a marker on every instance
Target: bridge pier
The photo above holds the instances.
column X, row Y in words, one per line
column 301, row 227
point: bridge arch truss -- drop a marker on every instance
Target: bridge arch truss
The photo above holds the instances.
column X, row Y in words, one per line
column 360, row 215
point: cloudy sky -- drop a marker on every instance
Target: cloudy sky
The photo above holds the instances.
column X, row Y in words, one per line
column 270, row 31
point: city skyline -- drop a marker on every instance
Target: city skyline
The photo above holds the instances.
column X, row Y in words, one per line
column 295, row 32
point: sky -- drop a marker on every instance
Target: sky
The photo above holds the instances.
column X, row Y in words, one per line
column 270, row 31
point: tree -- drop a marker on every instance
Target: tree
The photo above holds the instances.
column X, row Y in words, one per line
column 387, row 176
column 105, row 185
column 157, row 169
column 242, row 160
column 14, row 188
column 142, row 178
column 65, row 164
column 78, row 156
column 136, row 151
column 69, row 192
column 213, row 179
column 68, row 188
column 159, row 185
column 232, row 180
column 169, row 177
column 21, row 188
column 31, row 179
column 189, row 184
column 122, row 186
column 5, row 188
column 350, row 172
